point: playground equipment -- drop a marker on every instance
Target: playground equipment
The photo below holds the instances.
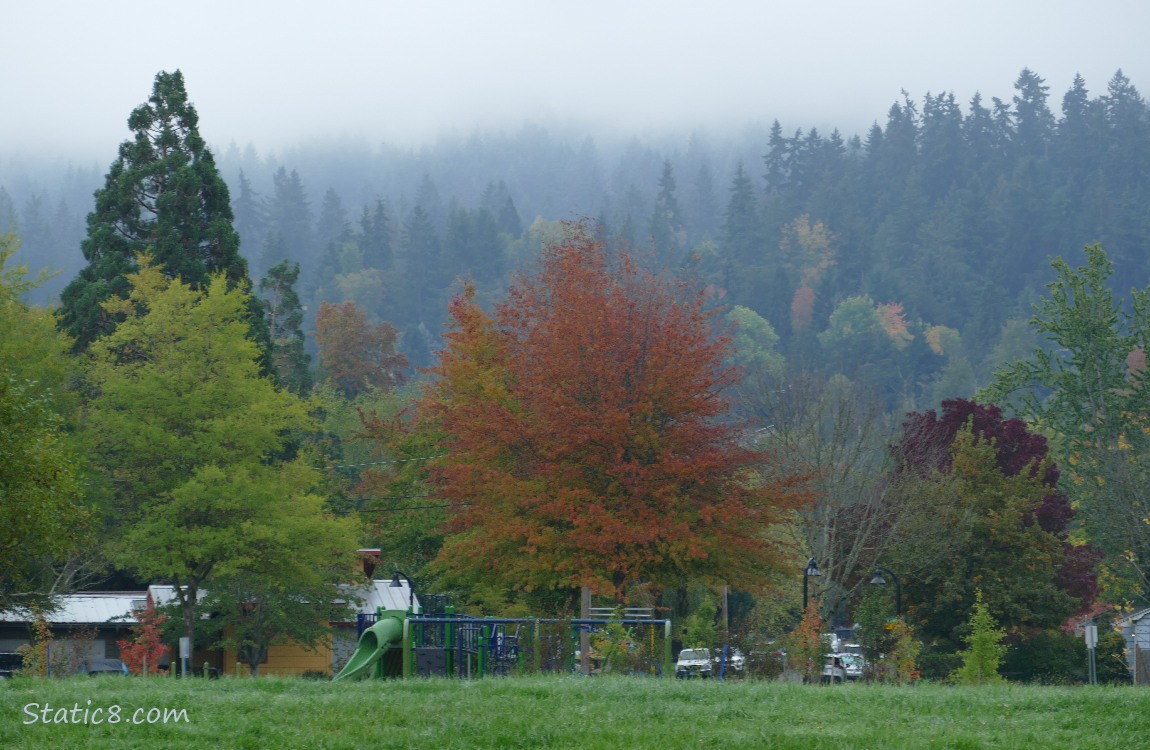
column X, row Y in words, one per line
column 439, row 642
column 383, row 639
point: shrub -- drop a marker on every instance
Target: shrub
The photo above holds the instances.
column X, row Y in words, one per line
column 1049, row 657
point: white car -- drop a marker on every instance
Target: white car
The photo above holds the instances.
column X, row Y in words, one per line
column 853, row 665
column 834, row 669
column 736, row 662
column 694, row 662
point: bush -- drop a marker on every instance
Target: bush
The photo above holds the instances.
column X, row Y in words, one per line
column 1110, row 659
column 938, row 665
column 1049, row 657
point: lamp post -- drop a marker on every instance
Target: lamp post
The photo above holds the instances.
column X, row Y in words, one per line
column 811, row 570
column 878, row 580
column 396, row 584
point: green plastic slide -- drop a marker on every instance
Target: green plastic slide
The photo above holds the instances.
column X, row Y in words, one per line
column 385, row 634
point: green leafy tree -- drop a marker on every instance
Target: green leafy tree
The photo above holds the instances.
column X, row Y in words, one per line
column 42, row 514
column 994, row 543
column 31, row 348
column 287, row 591
column 1087, row 386
column 985, row 651
column 162, row 195
column 856, row 334
column 755, row 341
column 699, row 628
column 184, row 430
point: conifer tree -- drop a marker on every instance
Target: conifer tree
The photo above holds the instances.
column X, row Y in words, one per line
column 666, row 224
column 162, row 195
column 285, row 320
column 984, row 651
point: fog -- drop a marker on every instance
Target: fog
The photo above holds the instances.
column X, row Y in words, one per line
column 277, row 73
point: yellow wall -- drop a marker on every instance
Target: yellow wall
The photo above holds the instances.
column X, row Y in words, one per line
column 286, row 659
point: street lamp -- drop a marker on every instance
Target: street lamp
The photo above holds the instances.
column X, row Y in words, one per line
column 878, row 580
column 810, row 570
column 397, row 584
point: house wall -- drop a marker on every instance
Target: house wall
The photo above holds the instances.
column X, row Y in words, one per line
column 286, row 659
column 68, row 652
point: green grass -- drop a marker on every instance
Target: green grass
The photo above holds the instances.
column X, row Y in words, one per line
column 573, row 712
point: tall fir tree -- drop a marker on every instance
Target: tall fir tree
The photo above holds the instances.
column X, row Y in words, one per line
column 374, row 236
column 290, row 214
column 164, row 195
column 1034, row 123
column 332, row 226
column 666, row 223
column 250, row 218
column 285, row 323
column 422, row 264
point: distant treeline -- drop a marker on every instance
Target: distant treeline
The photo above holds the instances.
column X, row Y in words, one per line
column 904, row 257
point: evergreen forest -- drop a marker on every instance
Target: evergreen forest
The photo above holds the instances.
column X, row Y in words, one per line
column 942, row 218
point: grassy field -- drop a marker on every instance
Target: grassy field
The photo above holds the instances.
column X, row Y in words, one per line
column 561, row 712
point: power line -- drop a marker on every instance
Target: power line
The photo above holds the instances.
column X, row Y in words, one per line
column 378, row 463
column 409, row 507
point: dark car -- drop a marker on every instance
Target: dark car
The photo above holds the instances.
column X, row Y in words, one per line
column 10, row 663
column 94, row 667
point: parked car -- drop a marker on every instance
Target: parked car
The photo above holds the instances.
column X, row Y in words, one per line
column 10, row 663
column 853, row 665
column 736, row 662
column 694, row 662
column 834, row 670
column 93, row 667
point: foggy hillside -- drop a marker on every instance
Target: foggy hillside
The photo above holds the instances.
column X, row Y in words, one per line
column 941, row 217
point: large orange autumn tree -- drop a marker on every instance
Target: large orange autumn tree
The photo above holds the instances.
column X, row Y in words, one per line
column 587, row 438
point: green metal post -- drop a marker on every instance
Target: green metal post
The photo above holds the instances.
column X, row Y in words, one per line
column 668, row 665
column 377, row 672
column 408, row 653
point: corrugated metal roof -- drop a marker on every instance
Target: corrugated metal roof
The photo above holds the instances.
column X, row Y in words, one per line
column 88, row 608
column 97, row 607
column 1132, row 618
column 383, row 594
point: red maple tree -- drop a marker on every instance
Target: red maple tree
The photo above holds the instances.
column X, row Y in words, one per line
column 589, row 439
column 353, row 353
column 146, row 643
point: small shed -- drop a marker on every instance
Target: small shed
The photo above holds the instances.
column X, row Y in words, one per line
column 1136, row 630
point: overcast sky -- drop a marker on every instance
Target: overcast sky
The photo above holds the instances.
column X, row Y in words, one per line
column 274, row 73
